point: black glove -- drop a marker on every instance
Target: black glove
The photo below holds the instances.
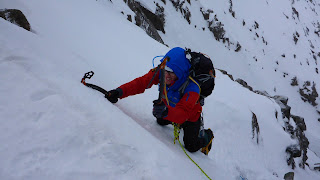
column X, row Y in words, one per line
column 159, row 110
column 114, row 95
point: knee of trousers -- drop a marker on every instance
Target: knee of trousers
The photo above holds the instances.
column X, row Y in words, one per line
column 192, row 145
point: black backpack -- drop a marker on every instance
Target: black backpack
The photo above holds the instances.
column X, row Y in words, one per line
column 202, row 71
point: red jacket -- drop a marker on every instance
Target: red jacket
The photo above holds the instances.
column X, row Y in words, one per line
column 187, row 109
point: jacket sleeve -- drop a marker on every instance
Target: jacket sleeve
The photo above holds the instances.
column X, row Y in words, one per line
column 139, row 85
column 184, row 109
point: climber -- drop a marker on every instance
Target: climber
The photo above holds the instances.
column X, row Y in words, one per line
column 182, row 109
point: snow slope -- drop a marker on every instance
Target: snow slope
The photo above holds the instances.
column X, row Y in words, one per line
column 278, row 43
column 53, row 127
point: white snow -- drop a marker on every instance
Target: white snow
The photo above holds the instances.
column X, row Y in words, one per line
column 53, row 127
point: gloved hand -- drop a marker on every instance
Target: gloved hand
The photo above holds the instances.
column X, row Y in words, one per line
column 114, row 95
column 159, row 110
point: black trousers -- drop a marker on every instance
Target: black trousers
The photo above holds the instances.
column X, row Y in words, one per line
column 191, row 139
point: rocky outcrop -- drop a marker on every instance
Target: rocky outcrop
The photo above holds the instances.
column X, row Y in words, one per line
column 159, row 19
column 15, row 16
column 255, row 128
column 293, row 151
column 309, row 93
column 217, row 28
column 299, row 122
column 317, row 167
column 289, row 176
column 214, row 25
column 304, row 144
column 244, row 84
column 184, row 10
column 282, row 101
column 317, row 29
column 150, row 22
column 294, row 81
column 226, row 73
column 231, row 11
column 299, row 150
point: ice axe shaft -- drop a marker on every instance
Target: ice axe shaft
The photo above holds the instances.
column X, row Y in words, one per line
column 162, row 80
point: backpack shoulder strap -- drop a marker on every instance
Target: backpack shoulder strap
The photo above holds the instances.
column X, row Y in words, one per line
column 186, row 84
column 183, row 87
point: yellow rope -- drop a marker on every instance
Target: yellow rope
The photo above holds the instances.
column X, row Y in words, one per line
column 165, row 94
column 176, row 137
column 196, row 84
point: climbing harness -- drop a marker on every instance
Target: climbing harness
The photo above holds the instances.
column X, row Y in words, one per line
column 176, row 132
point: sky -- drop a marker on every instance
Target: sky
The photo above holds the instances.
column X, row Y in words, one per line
column 53, row 127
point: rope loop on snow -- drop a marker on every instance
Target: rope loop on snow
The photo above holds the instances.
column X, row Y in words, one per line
column 176, row 133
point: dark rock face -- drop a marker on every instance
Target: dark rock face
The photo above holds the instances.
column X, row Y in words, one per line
column 317, row 31
column 214, row 26
column 238, row 48
column 263, row 93
column 206, row 14
column 178, row 4
column 147, row 20
column 304, row 144
column 293, row 151
column 283, row 103
column 255, row 127
column 294, row 81
column 289, row 176
column 309, row 93
column 230, row 9
column 217, row 29
column 244, row 84
column 296, row 37
column 156, row 19
column 226, row 73
column 317, row 167
column 295, row 13
column 159, row 20
column 299, row 150
column 289, row 129
column 15, row 16
column 299, row 122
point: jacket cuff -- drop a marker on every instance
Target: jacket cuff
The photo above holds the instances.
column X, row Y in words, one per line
column 120, row 92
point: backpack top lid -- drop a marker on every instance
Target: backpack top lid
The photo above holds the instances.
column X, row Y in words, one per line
column 200, row 63
column 179, row 64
